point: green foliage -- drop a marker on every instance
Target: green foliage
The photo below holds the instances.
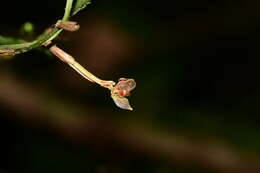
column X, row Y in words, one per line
column 9, row 40
column 71, row 9
column 79, row 5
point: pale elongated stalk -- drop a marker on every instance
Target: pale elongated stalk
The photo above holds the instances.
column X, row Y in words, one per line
column 65, row 57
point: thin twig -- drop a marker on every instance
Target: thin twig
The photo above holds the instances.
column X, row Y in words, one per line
column 65, row 57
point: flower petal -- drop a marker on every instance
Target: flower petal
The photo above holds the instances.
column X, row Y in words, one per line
column 122, row 102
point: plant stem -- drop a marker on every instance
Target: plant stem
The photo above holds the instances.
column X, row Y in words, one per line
column 65, row 57
column 67, row 10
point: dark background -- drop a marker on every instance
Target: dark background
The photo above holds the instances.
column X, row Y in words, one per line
column 196, row 105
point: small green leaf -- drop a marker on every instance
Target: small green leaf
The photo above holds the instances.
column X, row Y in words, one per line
column 79, row 5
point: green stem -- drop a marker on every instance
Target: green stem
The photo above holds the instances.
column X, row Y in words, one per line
column 67, row 13
column 24, row 47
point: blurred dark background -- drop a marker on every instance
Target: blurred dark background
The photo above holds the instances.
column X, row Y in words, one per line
column 196, row 105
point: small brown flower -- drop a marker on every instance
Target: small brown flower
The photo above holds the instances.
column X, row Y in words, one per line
column 121, row 90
